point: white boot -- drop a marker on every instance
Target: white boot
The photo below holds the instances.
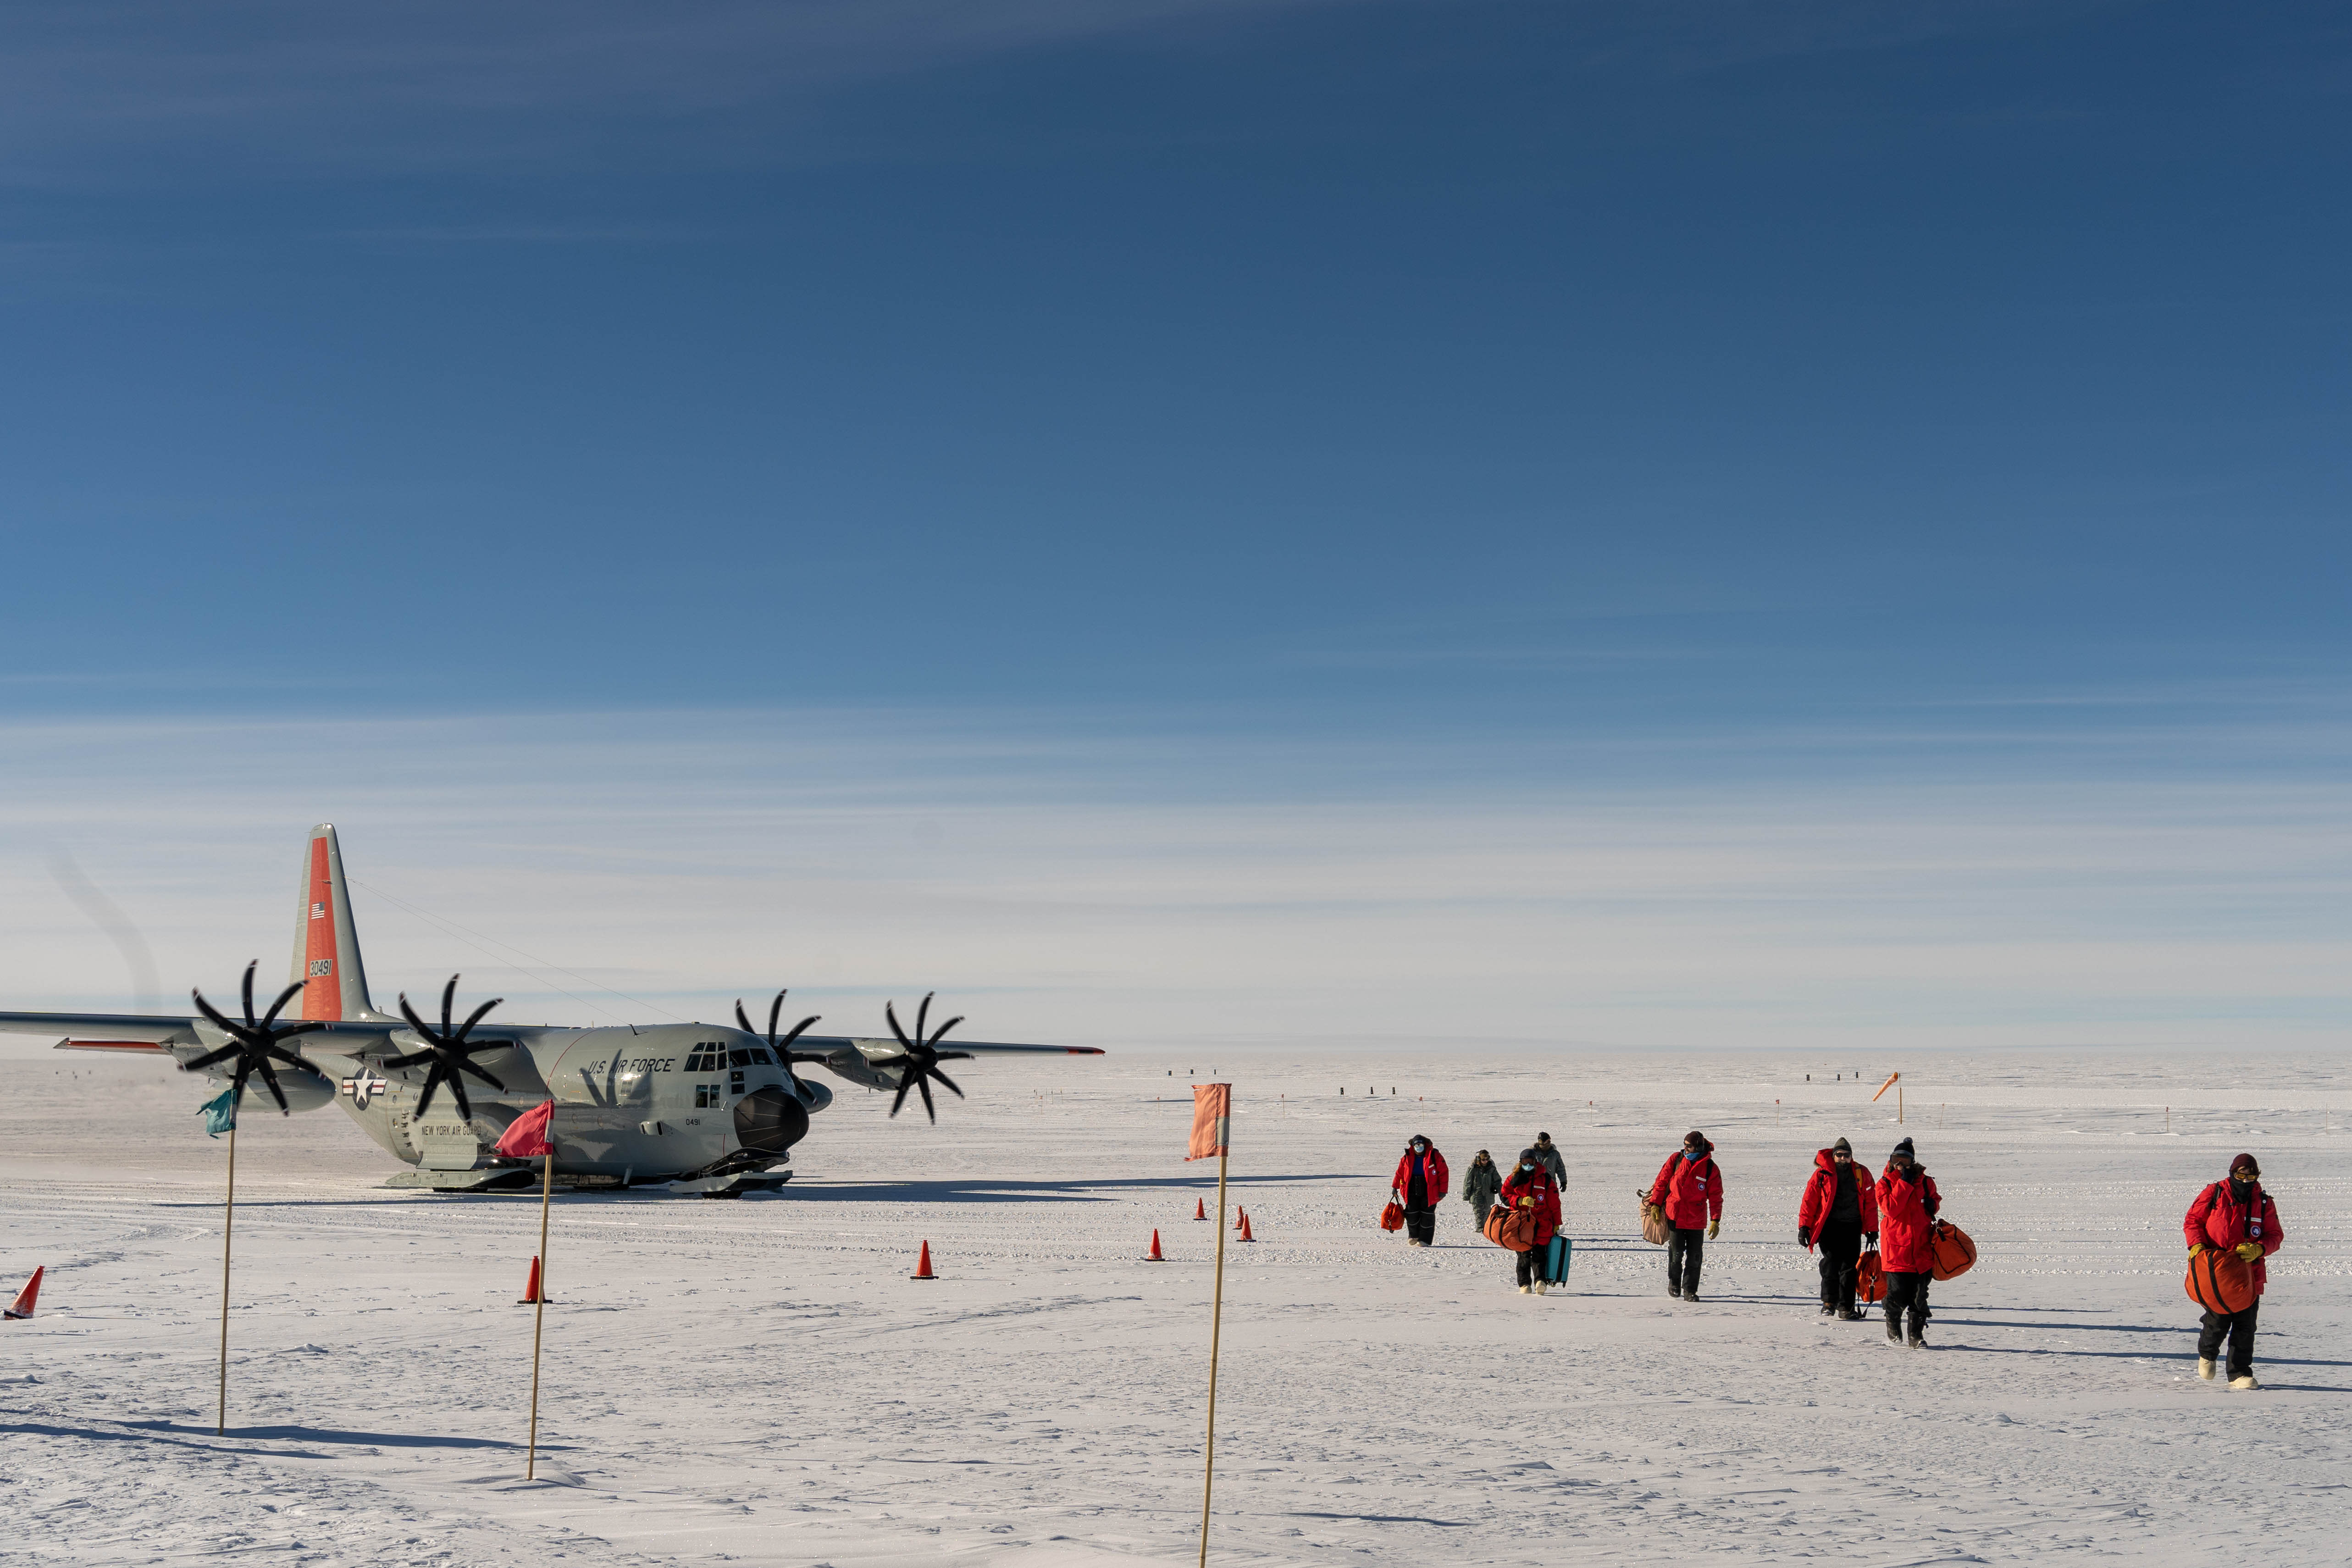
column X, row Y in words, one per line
column 2245, row 1384
column 2205, row 1368
column 1523, row 1289
column 1542, row 1287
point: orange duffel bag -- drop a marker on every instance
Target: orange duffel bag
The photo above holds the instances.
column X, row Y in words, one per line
column 1950, row 1253
column 1869, row 1277
column 2220, row 1282
column 1392, row 1217
column 1512, row 1229
column 1654, row 1228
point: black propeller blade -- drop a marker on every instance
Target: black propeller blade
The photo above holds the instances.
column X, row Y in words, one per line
column 919, row 1058
column 781, row 1048
column 446, row 1049
column 255, row 1043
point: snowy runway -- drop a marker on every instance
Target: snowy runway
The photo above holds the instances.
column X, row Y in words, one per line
column 757, row 1382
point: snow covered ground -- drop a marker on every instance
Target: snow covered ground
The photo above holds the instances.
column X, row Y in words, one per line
column 759, row 1383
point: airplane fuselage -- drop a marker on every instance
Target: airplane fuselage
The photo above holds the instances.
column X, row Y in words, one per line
column 631, row 1104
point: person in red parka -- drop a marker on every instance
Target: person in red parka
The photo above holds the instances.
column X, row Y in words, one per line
column 1690, row 1189
column 1420, row 1184
column 1907, row 1202
column 1530, row 1187
column 2235, row 1216
column 1838, row 1208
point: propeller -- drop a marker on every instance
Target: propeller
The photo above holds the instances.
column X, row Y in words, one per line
column 781, row 1047
column 919, row 1057
column 254, row 1043
column 446, row 1049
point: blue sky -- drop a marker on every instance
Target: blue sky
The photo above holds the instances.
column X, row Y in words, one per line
column 1465, row 408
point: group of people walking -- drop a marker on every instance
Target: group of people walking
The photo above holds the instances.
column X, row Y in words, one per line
column 1840, row 1212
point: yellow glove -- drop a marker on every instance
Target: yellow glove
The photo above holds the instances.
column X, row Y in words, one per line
column 2250, row 1250
column 1712, row 1226
column 2198, row 1249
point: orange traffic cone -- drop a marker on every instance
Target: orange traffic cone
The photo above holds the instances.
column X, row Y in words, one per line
column 23, row 1306
column 1241, row 1218
column 923, row 1267
column 1153, row 1257
column 1245, row 1229
column 531, row 1292
column 1200, row 1208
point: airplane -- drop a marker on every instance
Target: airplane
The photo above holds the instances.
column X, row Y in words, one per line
column 696, row 1108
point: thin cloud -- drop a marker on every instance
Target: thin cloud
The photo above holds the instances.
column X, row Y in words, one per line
column 685, row 859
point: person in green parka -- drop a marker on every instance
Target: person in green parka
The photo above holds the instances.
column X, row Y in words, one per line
column 1482, row 1184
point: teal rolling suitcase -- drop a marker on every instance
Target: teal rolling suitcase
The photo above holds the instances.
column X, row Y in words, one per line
column 1557, row 1257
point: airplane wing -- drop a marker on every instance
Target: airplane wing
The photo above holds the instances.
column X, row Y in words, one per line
column 875, row 1064
column 817, row 1046
column 150, row 1032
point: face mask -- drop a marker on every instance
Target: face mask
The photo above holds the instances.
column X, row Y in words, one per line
column 1526, row 1165
column 1690, row 1153
column 1421, row 1148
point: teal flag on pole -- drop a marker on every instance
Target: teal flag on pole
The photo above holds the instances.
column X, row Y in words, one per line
column 219, row 1113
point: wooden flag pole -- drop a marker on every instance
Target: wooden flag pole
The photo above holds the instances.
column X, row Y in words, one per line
column 228, row 1230
column 1216, row 1327
column 538, row 1307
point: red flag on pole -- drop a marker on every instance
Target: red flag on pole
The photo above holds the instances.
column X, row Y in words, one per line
column 1212, row 1111
column 528, row 1136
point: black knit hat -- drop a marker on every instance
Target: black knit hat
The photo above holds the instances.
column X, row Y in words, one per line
column 2245, row 1163
column 1904, row 1148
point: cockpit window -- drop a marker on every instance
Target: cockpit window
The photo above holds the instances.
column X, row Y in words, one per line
column 756, row 1055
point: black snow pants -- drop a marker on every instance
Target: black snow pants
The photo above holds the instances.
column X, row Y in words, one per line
column 2239, row 1328
column 1907, row 1294
column 1841, row 1248
column 1684, row 1255
column 1419, row 1218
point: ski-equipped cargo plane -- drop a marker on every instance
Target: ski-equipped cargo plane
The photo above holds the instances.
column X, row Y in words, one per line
column 701, row 1106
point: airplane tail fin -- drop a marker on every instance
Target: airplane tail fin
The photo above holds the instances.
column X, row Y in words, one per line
column 326, row 943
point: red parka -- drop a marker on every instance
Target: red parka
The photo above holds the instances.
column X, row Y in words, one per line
column 1691, row 1190
column 2215, row 1219
column 1820, row 1196
column 1534, row 1189
column 1906, row 1221
column 1433, row 1173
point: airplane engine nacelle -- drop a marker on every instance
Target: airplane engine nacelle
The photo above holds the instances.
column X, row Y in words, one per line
column 769, row 1121
column 815, row 1095
column 304, row 1091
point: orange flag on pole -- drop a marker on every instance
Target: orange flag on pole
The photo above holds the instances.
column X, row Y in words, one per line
column 1212, row 1111
column 528, row 1136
